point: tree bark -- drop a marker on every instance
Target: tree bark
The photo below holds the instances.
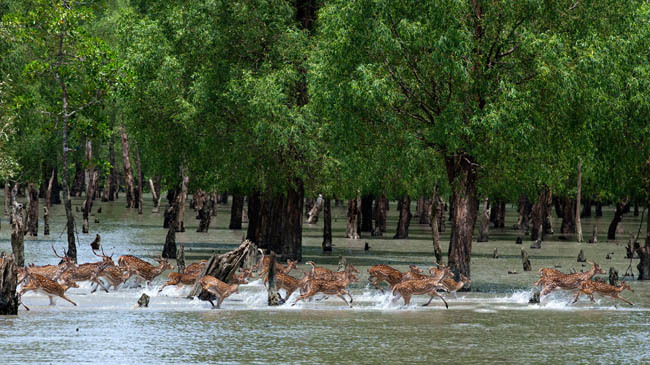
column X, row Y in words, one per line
column 314, row 212
column 404, row 218
column 128, row 171
column 273, row 298
column 353, row 216
column 78, row 182
column 568, row 215
column 366, row 213
column 7, row 199
column 48, row 200
column 205, row 212
column 183, row 198
column 644, row 251
column 140, row 192
column 380, row 212
column 327, row 225
column 462, row 176
column 18, row 233
column 540, row 213
column 577, row 211
column 436, row 207
column 109, row 183
column 155, row 193
column 32, row 210
column 236, row 211
column 254, row 207
column 90, row 175
column 484, row 222
column 618, row 217
column 524, row 210
column 169, row 250
column 8, row 282
column 168, row 213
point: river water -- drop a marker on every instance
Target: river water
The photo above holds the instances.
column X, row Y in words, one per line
column 492, row 323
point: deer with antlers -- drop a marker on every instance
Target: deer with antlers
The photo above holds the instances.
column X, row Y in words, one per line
column 52, row 272
column 554, row 279
column 142, row 269
column 89, row 270
column 589, row 287
column 322, row 273
column 217, row 288
column 265, row 262
column 195, row 267
column 176, row 279
column 428, row 286
column 452, row 286
column 51, row 288
column 336, row 287
column 290, row 284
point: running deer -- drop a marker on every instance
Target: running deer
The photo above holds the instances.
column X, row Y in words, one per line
column 589, row 287
column 390, row 275
column 51, row 288
column 321, row 273
column 452, row 286
column 428, row 286
column 142, row 269
column 176, row 278
column 113, row 274
column 414, row 273
column 196, row 267
column 330, row 287
column 52, row 272
column 217, row 288
column 265, row 261
column 566, row 281
column 290, row 284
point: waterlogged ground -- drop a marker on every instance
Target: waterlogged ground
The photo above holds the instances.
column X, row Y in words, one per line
column 493, row 323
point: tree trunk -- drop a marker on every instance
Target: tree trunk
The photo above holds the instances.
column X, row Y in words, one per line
column 7, row 199
column 213, row 197
column 128, row 171
column 314, row 212
column 462, row 175
column 8, row 282
column 425, row 214
column 484, row 222
column 46, row 209
column 327, row 226
column 183, row 198
column 32, row 210
column 140, row 192
column 366, row 213
column 78, row 182
column 540, row 213
column 404, row 218
column 18, row 233
column 524, row 210
column 180, row 259
column 171, row 214
column 618, row 216
column 273, row 298
column 436, row 207
column 353, row 216
column 577, row 211
column 205, row 212
column 90, row 174
column 644, row 252
column 586, row 208
column 380, row 212
column 254, row 214
column 155, row 193
column 72, row 247
column 636, row 208
column 568, row 215
column 599, row 209
column 236, row 211
column 111, row 180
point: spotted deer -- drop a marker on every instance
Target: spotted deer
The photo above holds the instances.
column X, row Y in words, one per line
column 589, row 287
column 52, row 272
column 566, row 281
column 142, row 269
column 452, row 286
column 322, row 273
column 428, row 286
column 218, row 288
column 196, row 267
column 290, row 284
column 414, row 273
column 51, row 288
column 176, row 278
column 336, row 287
column 265, row 261
column 115, row 275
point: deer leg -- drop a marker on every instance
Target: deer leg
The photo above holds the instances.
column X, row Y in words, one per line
column 221, row 298
column 68, row 299
column 346, row 302
column 375, row 282
column 99, row 283
column 575, row 297
column 164, row 285
column 407, row 298
column 51, row 300
column 435, row 293
column 623, row 299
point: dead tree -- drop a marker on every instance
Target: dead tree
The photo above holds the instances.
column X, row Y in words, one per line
column 18, row 233
column 8, row 282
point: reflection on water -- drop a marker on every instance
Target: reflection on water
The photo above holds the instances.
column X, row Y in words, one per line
column 493, row 323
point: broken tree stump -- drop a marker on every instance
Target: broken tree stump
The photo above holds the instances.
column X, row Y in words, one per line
column 613, row 276
column 272, row 291
column 180, row 258
column 8, row 282
column 581, row 256
column 18, row 233
column 495, row 254
column 143, row 301
column 224, row 266
column 525, row 261
column 342, row 264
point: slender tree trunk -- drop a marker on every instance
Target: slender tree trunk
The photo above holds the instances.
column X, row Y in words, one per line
column 380, row 207
column 618, row 217
column 8, row 282
column 327, row 225
column 254, row 208
column 110, row 184
column 78, row 182
column 205, row 212
column 169, row 250
column 32, row 210
column 644, row 251
column 540, row 215
column 435, row 222
column 183, row 198
column 7, row 198
column 568, row 215
column 404, row 218
column 236, row 211
column 169, row 213
column 72, row 247
column 155, row 193
column 484, row 223
column 577, row 212
column 128, row 171
column 48, row 200
column 90, row 174
column 524, row 210
column 314, row 212
column 18, row 233
column 140, row 177
column 353, row 216
column 462, row 175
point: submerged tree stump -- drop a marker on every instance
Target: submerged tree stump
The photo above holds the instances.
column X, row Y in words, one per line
column 180, row 258
column 581, row 256
column 613, row 276
column 8, row 282
column 143, row 301
column 272, row 291
column 525, row 261
column 18, row 233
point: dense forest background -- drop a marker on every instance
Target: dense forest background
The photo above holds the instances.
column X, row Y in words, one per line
column 462, row 105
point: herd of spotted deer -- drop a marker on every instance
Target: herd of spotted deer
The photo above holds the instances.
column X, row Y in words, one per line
column 54, row 280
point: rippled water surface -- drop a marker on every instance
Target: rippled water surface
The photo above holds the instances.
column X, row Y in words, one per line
column 492, row 323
